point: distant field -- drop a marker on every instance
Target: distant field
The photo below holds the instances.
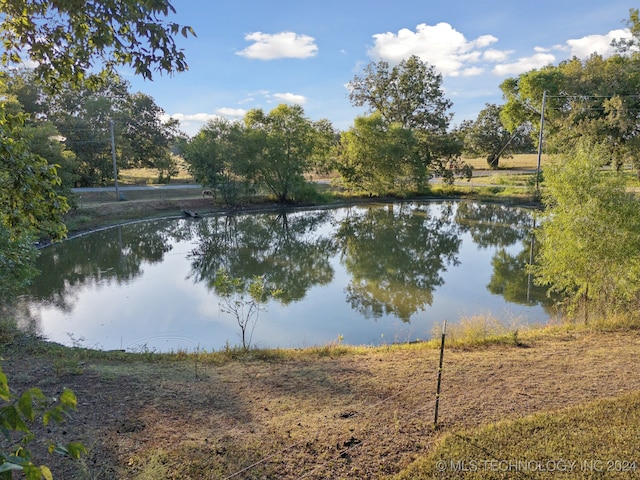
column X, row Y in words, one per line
column 526, row 161
column 148, row 176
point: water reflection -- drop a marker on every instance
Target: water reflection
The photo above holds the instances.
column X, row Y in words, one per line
column 406, row 265
column 102, row 258
column 289, row 250
column 493, row 224
column 395, row 255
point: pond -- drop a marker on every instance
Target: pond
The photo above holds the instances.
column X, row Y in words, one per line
column 374, row 274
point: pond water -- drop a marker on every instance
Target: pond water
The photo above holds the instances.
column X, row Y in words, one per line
column 373, row 274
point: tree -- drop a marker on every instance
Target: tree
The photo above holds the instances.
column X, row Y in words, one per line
column 589, row 244
column 218, row 158
column 380, row 158
column 68, row 39
column 487, row 136
column 233, row 300
column 83, row 116
column 29, row 202
column 633, row 24
column 594, row 98
column 147, row 137
column 65, row 39
column 289, row 146
column 410, row 94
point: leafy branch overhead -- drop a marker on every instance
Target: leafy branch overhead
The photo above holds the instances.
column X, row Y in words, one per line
column 72, row 39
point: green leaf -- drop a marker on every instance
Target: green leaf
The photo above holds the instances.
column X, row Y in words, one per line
column 72, row 450
column 46, row 473
column 9, row 467
column 68, row 399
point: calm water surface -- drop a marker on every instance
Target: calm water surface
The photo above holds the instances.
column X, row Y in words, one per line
column 367, row 274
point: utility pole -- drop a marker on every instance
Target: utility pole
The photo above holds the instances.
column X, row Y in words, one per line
column 544, row 102
column 113, row 156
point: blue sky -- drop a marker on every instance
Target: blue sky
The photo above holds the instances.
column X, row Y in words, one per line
column 259, row 53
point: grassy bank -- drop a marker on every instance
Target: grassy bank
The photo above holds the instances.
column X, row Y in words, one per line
column 345, row 412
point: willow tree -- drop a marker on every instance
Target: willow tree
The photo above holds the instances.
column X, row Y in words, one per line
column 380, row 158
column 589, row 244
column 287, row 147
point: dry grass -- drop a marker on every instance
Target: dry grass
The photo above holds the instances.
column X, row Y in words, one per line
column 324, row 413
column 148, row 176
column 523, row 161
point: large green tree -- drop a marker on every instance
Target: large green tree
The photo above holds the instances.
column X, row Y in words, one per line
column 82, row 114
column 289, row 147
column 380, row 158
column 410, row 94
column 488, row 136
column 594, row 98
column 147, row 137
column 30, row 205
column 66, row 40
column 219, row 158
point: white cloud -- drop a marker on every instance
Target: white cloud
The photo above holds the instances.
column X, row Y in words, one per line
column 492, row 55
column 191, row 117
column 439, row 45
column 472, row 71
column 231, row 112
column 601, row 44
column 290, row 98
column 524, row 64
column 279, row 45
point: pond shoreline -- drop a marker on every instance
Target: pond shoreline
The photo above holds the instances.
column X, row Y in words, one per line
column 151, row 209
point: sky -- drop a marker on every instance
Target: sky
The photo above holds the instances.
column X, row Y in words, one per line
column 258, row 53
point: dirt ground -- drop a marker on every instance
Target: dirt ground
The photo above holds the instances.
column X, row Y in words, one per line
column 356, row 415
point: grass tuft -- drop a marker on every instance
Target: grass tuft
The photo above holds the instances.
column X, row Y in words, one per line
column 481, row 330
column 595, row 440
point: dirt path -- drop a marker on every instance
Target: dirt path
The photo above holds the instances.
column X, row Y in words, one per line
column 344, row 416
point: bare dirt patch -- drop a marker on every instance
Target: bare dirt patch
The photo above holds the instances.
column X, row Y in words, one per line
column 352, row 415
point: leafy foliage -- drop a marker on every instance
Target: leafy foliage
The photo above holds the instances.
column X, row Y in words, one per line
column 589, row 245
column 16, row 415
column 289, row 146
column 595, row 98
column 219, row 158
column 28, row 198
column 409, row 95
column 379, row 158
column 487, row 136
column 67, row 39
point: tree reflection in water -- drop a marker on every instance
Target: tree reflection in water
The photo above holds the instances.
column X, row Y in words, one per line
column 381, row 260
column 395, row 255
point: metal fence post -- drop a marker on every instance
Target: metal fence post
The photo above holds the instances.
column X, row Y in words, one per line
column 435, row 417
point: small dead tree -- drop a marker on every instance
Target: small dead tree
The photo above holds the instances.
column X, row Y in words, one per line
column 243, row 301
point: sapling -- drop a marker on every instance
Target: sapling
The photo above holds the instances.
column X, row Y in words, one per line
column 243, row 301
